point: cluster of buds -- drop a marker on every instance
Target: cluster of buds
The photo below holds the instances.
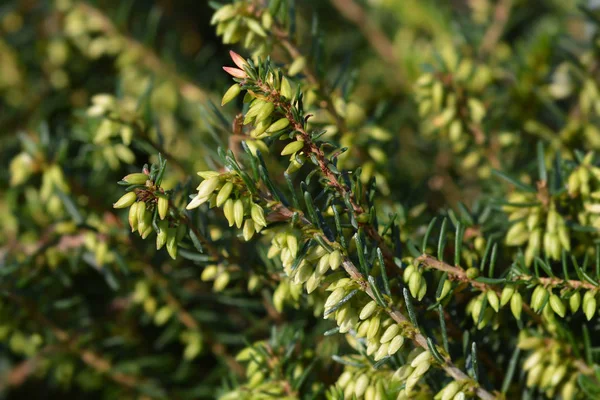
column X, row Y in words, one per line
column 218, row 274
column 417, row 364
column 476, row 308
column 417, row 284
column 384, row 337
column 222, row 190
column 311, row 270
column 584, row 183
column 452, row 391
column 149, row 211
column 364, row 383
column 243, row 22
column 537, row 225
column 548, row 367
column 542, row 296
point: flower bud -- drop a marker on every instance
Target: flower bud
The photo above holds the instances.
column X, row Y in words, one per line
column 297, row 65
column 445, row 290
column 265, row 111
column 292, row 244
column 258, row 215
column 248, row 230
column 575, row 302
column 557, row 305
column 381, row 352
column 161, row 235
column 163, row 207
column 589, row 304
column 221, row 282
column 172, row 243
column 292, row 147
column 516, row 305
column 361, row 385
column 335, row 259
column 286, row 89
column 133, row 217
column 136, row 179
column 414, row 283
column 538, row 298
column 228, row 212
column 390, row 333
column 224, row 193
column 395, row 344
column 238, row 212
column 368, row 310
column 208, row 186
column 335, row 297
column 507, row 294
column 278, row 125
column 231, row 93
column 126, row 200
column 493, row 300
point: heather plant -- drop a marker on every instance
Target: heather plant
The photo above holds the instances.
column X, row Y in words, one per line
column 388, row 200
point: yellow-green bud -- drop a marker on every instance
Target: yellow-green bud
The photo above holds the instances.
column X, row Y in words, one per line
column 374, row 324
column 228, row 212
column 445, row 290
column 133, row 217
column 126, row 200
column 557, row 305
column 208, row 186
column 507, row 293
column 265, row 111
column 361, row 385
column 395, row 344
column 258, row 215
column 172, row 243
column 278, row 125
column 335, row 259
column 575, row 302
column 231, row 93
column 390, row 333
column 238, row 212
column 516, row 305
column 368, row 310
column 136, row 179
column 493, row 300
column 248, row 230
column 163, row 207
column 589, row 304
column 224, row 193
column 161, row 235
column 292, row 147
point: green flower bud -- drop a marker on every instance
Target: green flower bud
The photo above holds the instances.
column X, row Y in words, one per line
column 323, row 265
column 395, row 344
column 472, row 273
column 414, row 284
column 221, row 282
column 575, row 302
column 228, row 212
column 208, row 186
column 390, row 333
column 589, row 304
column 136, row 179
column 133, row 217
column 292, row 244
column 374, row 324
column 368, row 310
column 450, row 390
column 557, row 305
column 224, row 193
column 286, row 89
column 231, row 93
column 381, row 352
column 238, row 212
column 516, row 305
column 161, row 235
column 445, row 290
column 361, row 385
column 507, row 294
column 335, row 259
column 148, row 230
column 126, row 200
column 292, row 147
column 258, row 215
column 297, row 65
column 265, row 111
column 278, row 125
column 163, row 207
column 493, row 300
column 538, row 298
column 335, row 297
column 248, row 230
column 172, row 243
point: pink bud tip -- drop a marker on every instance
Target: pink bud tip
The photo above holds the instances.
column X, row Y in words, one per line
column 235, row 72
column 237, row 59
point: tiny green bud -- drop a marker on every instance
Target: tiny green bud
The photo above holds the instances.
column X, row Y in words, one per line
column 228, row 212
column 248, row 230
column 335, row 297
column 361, row 385
column 557, row 305
column 589, row 304
column 507, row 293
column 278, row 125
column 390, row 333
column 516, row 305
column 265, row 111
column 445, row 290
column 374, row 324
column 414, row 284
column 133, row 217
column 335, row 259
column 472, row 273
column 258, row 215
column 172, row 243
column 163, row 207
column 493, row 300
column 381, row 352
column 395, row 344
column 292, row 147
column 575, row 302
column 368, row 310
column 126, row 200
column 224, row 193
column 136, row 179
column 161, row 235
column 238, row 212
column 231, row 93
column 221, row 282
column 208, row 186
